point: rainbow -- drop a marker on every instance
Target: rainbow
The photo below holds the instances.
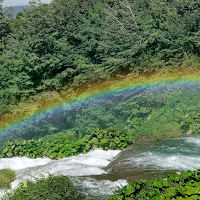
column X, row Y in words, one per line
column 52, row 102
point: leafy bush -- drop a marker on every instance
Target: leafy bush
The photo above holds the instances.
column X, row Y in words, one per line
column 6, row 177
column 184, row 185
column 59, row 147
column 108, row 139
column 51, row 188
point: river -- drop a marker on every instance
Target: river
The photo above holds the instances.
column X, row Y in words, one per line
column 98, row 173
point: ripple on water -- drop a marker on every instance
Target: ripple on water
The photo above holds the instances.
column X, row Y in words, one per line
column 100, row 189
column 165, row 162
column 193, row 140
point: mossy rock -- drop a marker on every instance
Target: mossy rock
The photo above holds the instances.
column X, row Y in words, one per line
column 6, row 177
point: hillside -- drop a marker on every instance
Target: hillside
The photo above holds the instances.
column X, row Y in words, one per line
column 93, row 40
column 43, row 52
column 18, row 9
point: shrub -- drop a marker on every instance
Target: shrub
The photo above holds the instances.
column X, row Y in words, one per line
column 58, row 147
column 51, row 188
column 108, row 139
column 184, row 185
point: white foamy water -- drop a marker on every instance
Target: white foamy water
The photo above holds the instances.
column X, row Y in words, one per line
column 2, row 193
column 98, row 188
column 76, row 167
column 17, row 163
column 88, row 164
column 178, row 154
column 167, row 162
column 193, row 140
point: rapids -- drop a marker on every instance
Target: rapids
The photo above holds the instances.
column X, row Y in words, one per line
column 98, row 173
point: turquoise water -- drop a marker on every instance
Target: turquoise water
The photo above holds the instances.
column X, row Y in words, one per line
column 146, row 160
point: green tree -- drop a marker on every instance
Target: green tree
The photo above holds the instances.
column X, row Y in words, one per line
column 5, row 26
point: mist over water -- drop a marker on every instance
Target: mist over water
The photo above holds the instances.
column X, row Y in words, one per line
column 58, row 116
column 98, row 173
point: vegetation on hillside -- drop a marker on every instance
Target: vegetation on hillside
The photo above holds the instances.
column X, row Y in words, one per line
column 16, row 10
column 70, row 43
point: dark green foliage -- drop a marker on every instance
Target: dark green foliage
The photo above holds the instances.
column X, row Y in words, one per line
column 70, row 43
column 56, row 147
column 151, row 33
column 51, row 188
column 6, row 177
column 107, row 139
column 5, row 23
column 184, row 185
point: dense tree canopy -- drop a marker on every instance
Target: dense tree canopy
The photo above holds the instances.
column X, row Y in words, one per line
column 69, row 43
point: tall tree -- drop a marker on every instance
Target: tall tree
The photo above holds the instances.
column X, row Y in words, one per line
column 5, row 26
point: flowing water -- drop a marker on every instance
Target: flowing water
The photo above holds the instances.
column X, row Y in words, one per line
column 98, row 173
